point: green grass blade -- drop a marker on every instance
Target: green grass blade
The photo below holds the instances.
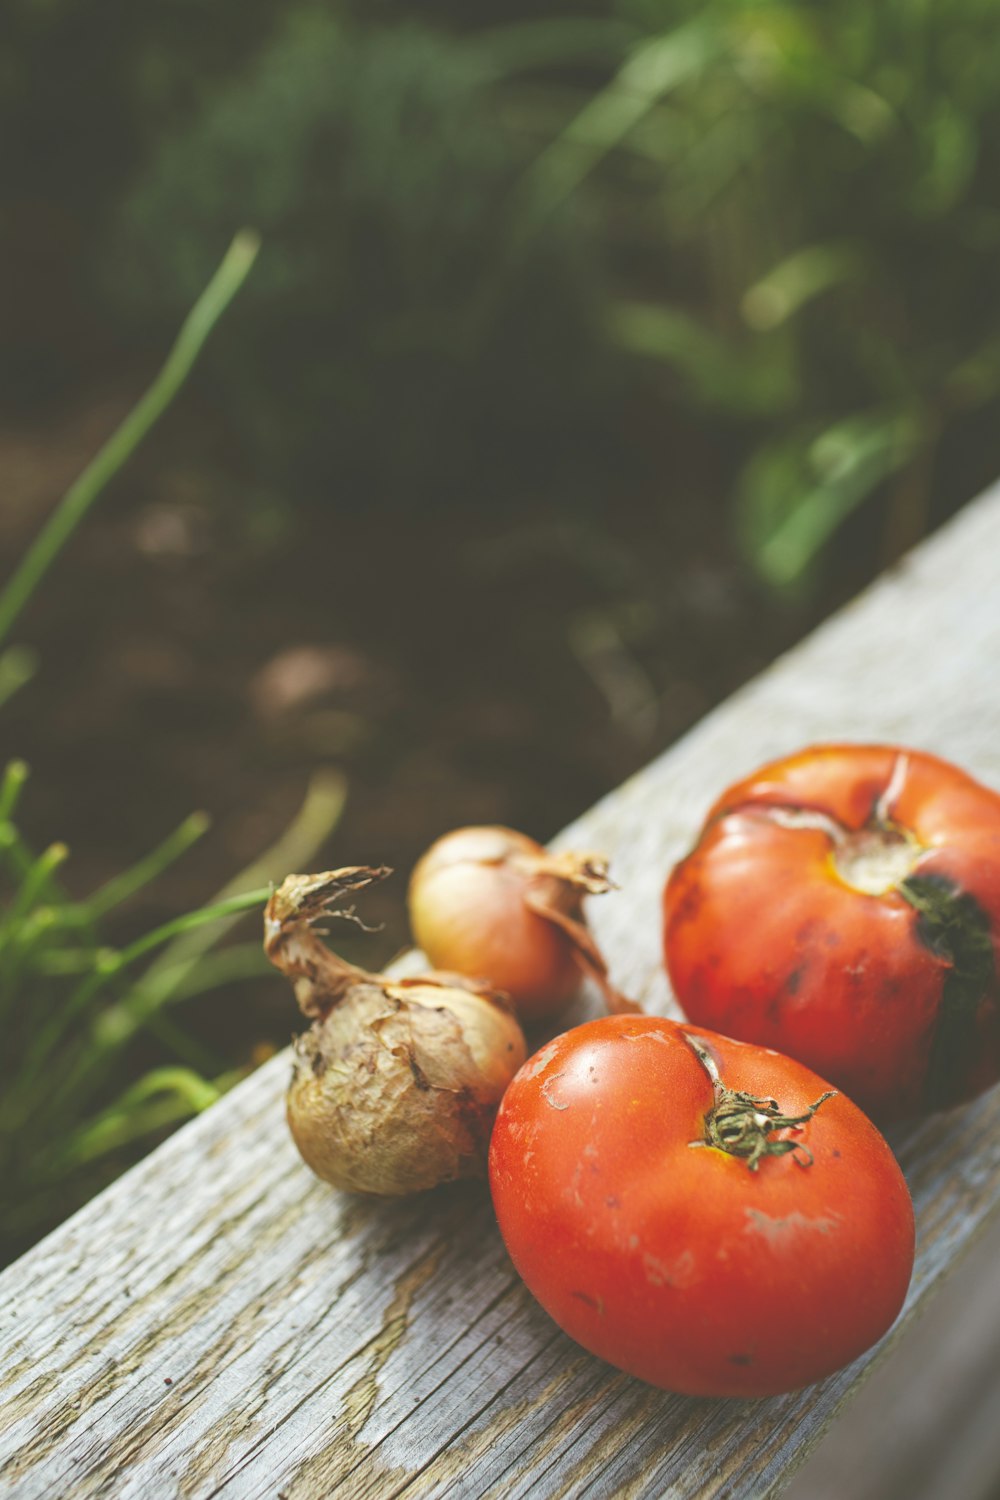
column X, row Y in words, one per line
column 175, row 973
column 163, row 1097
column 18, row 664
column 22, row 926
column 108, row 964
column 653, row 70
column 318, row 816
column 145, row 870
column 796, row 495
column 232, row 906
column 15, row 775
column 238, row 961
column 799, row 278
column 122, row 444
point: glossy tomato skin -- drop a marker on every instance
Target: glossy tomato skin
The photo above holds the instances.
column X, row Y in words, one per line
column 766, row 940
column 678, row 1263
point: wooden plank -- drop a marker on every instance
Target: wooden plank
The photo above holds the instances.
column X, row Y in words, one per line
column 929, row 1424
column 219, row 1324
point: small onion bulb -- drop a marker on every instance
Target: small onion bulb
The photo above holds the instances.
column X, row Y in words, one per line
column 495, row 905
column 396, row 1083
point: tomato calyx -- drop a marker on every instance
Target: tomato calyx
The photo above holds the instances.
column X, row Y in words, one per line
column 952, row 924
column 742, row 1125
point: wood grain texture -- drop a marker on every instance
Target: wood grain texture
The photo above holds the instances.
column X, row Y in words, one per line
column 218, row 1324
column 929, row 1423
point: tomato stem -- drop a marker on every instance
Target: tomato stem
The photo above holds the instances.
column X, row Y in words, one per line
column 742, row 1125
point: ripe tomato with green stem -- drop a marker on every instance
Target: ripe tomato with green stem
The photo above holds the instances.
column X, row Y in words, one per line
column 843, row 906
column 702, row 1213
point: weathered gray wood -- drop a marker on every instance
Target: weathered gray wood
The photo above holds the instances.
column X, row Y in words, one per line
column 929, row 1423
column 219, row 1324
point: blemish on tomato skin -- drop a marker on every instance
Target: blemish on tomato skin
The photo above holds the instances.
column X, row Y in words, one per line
column 678, row 1272
column 664, row 1038
column 541, row 1060
column 809, row 931
column 689, row 905
column 774, row 1009
column 613, row 1202
column 774, row 1228
column 657, row 1274
column 741, row 1359
column 552, row 1103
column 574, row 1186
column 597, row 1303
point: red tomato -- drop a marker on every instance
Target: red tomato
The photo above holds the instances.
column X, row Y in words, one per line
column 692, row 1265
column 843, row 906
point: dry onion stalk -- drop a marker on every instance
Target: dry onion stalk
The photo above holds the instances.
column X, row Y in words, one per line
column 396, row 1083
column 495, row 905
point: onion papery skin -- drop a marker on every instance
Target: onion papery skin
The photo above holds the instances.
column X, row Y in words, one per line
column 395, row 1091
column 396, row 1084
column 468, row 914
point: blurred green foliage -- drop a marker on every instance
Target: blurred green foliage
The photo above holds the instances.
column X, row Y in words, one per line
column 827, row 208
column 395, row 332
column 79, row 1014
column 71, row 1009
column 490, row 231
column 73, row 1006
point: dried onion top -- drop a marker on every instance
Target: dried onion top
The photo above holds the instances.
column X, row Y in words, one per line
column 396, row 1083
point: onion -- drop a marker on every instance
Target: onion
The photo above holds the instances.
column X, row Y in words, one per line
column 493, row 904
column 395, row 1085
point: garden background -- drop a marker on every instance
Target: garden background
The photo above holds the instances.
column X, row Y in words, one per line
column 592, row 353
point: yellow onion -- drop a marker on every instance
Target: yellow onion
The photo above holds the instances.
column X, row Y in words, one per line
column 495, row 905
column 396, row 1083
